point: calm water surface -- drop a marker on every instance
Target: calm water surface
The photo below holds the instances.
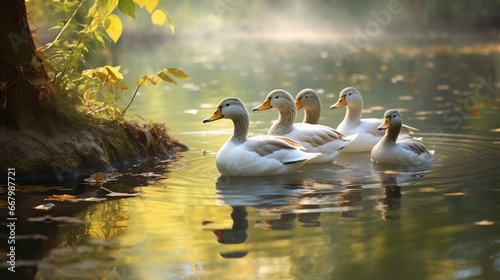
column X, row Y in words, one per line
column 345, row 220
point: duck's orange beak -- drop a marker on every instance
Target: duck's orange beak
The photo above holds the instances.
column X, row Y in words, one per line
column 215, row 116
column 298, row 104
column 385, row 125
column 340, row 103
column 264, row 106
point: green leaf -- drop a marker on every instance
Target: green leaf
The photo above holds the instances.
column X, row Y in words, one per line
column 158, row 17
column 113, row 27
column 127, row 7
column 178, row 72
column 98, row 37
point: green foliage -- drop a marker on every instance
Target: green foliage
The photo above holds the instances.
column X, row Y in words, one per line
column 90, row 25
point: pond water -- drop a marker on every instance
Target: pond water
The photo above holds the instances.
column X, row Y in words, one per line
column 344, row 220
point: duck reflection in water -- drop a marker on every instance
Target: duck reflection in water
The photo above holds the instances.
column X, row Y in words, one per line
column 307, row 216
column 277, row 194
column 238, row 232
column 391, row 182
column 293, row 198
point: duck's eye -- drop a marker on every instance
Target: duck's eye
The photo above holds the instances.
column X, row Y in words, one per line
column 277, row 97
column 227, row 105
column 394, row 116
column 307, row 96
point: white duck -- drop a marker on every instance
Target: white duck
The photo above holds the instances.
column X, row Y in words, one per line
column 368, row 134
column 310, row 101
column 258, row 155
column 392, row 149
column 314, row 137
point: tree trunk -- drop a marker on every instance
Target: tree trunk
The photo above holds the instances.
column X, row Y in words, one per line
column 20, row 70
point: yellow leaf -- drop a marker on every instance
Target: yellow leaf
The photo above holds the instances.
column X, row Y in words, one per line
column 425, row 190
column 165, row 75
column 484, row 223
column 155, row 80
column 101, row 9
column 454, row 194
column 113, row 27
column 119, row 84
column 149, row 4
column 61, row 197
column 143, row 80
column 89, row 73
column 170, row 23
column 158, row 17
column 114, row 71
column 178, row 72
column 102, row 76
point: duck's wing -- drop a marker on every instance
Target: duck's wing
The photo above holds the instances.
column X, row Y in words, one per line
column 315, row 134
column 409, row 129
column 412, row 144
column 277, row 147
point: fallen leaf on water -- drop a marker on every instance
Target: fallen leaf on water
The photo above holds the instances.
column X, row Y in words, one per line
column 112, row 193
column 149, row 174
column 60, row 197
column 484, row 223
column 101, row 177
column 91, row 199
column 424, row 190
column 391, row 172
column 454, row 194
column 44, row 206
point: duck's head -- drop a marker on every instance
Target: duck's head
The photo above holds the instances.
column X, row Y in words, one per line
column 307, row 98
column 392, row 118
column 278, row 99
column 230, row 108
column 349, row 97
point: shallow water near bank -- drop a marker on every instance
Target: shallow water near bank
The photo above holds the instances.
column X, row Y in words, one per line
column 349, row 219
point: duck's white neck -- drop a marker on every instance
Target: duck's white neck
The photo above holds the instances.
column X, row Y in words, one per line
column 353, row 115
column 285, row 121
